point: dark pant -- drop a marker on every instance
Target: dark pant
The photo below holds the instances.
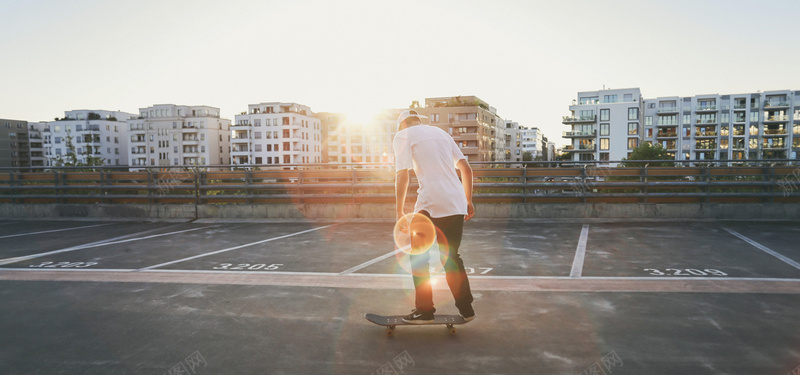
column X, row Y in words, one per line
column 448, row 236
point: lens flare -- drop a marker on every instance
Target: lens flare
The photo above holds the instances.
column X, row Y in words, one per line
column 414, row 232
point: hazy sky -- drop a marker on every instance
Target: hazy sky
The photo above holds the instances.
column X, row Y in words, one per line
column 528, row 59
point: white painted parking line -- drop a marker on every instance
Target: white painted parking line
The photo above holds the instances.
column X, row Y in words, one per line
column 376, row 260
column 54, row 230
column 764, row 248
column 580, row 253
column 235, row 248
column 558, row 284
column 89, row 246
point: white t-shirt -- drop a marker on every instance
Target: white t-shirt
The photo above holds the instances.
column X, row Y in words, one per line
column 433, row 155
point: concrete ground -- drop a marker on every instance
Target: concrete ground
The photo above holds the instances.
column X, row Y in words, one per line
column 557, row 297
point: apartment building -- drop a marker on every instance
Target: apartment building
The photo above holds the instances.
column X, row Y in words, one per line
column 359, row 141
column 276, row 133
column 473, row 124
column 604, row 125
column 97, row 134
column 179, row 135
column 748, row 126
column 36, row 140
column 754, row 126
column 14, row 143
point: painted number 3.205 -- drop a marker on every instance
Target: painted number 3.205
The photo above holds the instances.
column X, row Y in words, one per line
column 685, row 272
column 248, row 266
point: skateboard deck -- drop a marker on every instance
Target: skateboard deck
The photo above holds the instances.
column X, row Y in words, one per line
column 392, row 321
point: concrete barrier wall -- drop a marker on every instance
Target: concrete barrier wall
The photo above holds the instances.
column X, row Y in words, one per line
column 723, row 211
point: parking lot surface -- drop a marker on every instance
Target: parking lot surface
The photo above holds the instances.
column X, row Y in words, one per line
column 551, row 297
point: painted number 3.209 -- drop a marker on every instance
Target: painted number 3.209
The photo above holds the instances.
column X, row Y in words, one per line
column 686, row 272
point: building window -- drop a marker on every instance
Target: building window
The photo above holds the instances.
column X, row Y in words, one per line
column 687, row 118
column 633, row 113
column 604, row 143
column 633, row 143
column 605, row 115
column 648, row 121
column 435, row 117
column 604, row 129
column 633, row 128
column 628, row 97
column 610, row 99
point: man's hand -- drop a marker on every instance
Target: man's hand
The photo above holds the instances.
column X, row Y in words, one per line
column 470, row 211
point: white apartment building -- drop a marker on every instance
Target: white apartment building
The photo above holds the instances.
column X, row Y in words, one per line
column 604, row 125
column 179, row 135
column 100, row 134
column 276, row 133
column 754, row 126
column 749, row 126
column 366, row 141
column 532, row 141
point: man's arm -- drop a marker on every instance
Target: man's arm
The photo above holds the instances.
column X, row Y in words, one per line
column 466, row 181
column 400, row 189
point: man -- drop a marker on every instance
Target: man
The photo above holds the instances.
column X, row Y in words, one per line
column 444, row 199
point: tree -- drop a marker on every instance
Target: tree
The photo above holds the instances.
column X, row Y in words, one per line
column 70, row 158
column 646, row 151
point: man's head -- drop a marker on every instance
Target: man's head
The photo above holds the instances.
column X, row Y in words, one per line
column 409, row 118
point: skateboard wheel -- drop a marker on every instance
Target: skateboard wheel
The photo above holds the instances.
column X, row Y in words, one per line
column 452, row 331
column 390, row 332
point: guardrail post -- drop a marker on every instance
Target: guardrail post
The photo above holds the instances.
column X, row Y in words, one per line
column 583, row 183
column 59, row 199
column 248, row 181
column 644, row 179
column 300, row 185
column 353, row 174
column 196, row 192
column 524, row 183
column 707, row 187
column 11, row 184
column 770, row 177
column 150, row 186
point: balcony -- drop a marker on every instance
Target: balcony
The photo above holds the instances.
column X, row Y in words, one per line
column 777, row 119
column 667, row 123
column 775, row 132
column 706, row 147
column 667, row 110
column 705, row 134
column 578, row 119
column 579, row 134
column 740, row 106
column 773, row 146
column 776, row 104
column 706, row 108
column 667, row 135
column 706, row 121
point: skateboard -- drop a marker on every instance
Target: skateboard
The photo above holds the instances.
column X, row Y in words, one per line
column 392, row 321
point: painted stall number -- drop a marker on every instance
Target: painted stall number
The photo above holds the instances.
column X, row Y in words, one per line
column 64, row 265
column 686, row 272
column 470, row 270
column 247, row 266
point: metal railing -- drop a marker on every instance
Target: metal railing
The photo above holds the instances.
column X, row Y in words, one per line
column 494, row 182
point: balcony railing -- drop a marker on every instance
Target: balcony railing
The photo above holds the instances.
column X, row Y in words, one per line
column 667, row 109
column 571, row 119
column 666, row 134
column 773, row 104
column 567, row 134
column 777, row 118
column 706, row 108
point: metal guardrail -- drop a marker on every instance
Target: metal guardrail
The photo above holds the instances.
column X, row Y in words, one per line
column 655, row 181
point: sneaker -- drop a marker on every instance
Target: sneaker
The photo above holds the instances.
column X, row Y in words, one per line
column 418, row 318
column 468, row 316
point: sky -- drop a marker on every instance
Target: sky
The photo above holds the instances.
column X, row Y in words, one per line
column 528, row 59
